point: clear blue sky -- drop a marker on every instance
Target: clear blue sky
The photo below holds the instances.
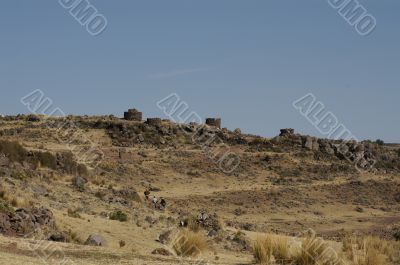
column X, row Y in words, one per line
column 242, row 60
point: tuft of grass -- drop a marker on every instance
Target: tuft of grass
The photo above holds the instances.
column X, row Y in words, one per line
column 192, row 224
column 189, row 244
column 13, row 199
column 271, row 249
column 371, row 251
column 315, row 251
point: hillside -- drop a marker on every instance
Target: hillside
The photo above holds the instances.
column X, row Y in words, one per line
column 63, row 180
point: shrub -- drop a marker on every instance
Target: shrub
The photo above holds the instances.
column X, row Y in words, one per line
column 189, row 244
column 119, row 215
column 379, row 142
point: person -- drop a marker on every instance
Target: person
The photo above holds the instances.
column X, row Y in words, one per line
column 163, row 204
column 202, row 217
column 147, row 194
column 155, row 201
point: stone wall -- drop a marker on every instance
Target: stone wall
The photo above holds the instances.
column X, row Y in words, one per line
column 153, row 121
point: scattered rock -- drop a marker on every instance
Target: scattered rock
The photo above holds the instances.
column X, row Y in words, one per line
column 161, row 251
column 58, row 237
column 212, row 233
column 165, row 237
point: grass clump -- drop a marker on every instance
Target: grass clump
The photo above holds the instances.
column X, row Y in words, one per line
column 189, row 244
column 371, row 251
column 271, row 249
column 119, row 216
column 315, row 251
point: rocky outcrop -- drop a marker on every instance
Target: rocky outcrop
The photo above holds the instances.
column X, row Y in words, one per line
column 22, row 222
column 124, row 196
column 287, row 132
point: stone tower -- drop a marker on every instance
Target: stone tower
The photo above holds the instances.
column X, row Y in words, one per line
column 216, row 122
column 133, row 115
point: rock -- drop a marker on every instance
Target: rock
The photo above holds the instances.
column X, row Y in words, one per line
column 212, row 233
column 165, row 237
column 150, row 220
column 248, row 227
column 58, row 237
column 23, row 221
column 4, row 161
column 96, row 240
column 128, row 194
column 79, row 183
column 161, row 251
column 286, row 132
column 237, row 131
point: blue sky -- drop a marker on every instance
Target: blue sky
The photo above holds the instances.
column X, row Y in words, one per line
column 245, row 61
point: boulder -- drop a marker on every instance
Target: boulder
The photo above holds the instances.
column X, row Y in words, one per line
column 96, row 241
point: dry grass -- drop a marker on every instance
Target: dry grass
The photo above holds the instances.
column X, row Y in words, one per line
column 192, row 224
column 371, row 251
column 315, row 251
column 271, row 249
column 189, row 244
column 13, row 199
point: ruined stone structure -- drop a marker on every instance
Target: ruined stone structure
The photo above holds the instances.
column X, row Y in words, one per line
column 287, row 132
column 216, row 122
column 153, row 121
column 133, row 115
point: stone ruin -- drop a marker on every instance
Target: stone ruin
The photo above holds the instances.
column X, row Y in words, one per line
column 286, row 132
column 133, row 115
column 153, row 121
column 215, row 122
